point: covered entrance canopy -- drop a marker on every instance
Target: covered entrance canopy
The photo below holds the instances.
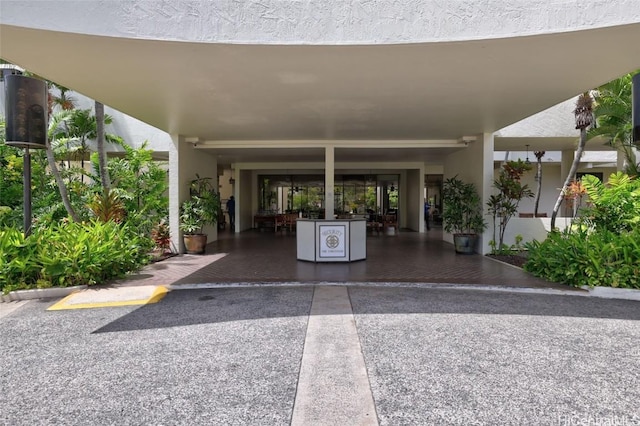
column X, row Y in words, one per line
column 217, row 91
column 386, row 85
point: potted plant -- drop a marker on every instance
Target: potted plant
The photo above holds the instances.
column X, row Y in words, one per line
column 199, row 210
column 462, row 214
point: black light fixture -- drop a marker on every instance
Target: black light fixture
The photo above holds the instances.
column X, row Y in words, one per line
column 393, row 188
column 26, row 124
column 527, row 162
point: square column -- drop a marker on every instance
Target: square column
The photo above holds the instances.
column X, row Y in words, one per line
column 474, row 164
column 176, row 194
column 185, row 161
column 329, row 181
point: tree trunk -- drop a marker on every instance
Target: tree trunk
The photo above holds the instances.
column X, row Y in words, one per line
column 102, row 154
column 61, row 186
column 539, row 187
column 570, row 177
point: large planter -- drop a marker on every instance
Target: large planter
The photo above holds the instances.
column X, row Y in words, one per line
column 195, row 244
column 465, row 243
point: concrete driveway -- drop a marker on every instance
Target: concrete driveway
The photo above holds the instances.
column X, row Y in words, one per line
column 324, row 355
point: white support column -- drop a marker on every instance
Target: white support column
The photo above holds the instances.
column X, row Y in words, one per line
column 474, row 164
column 621, row 160
column 329, row 181
column 565, row 165
column 244, row 190
column 486, row 187
column 412, row 191
column 185, row 161
column 175, row 196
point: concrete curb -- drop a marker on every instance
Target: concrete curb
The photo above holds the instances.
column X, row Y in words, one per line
column 602, row 292
column 613, row 293
column 41, row 293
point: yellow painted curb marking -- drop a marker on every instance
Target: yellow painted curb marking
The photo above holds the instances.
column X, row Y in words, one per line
column 155, row 297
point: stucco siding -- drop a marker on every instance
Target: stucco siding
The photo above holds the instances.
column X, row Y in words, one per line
column 319, row 21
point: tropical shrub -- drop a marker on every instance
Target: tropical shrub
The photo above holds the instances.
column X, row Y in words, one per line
column 462, row 211
column 141, row 184
column 580, row 257
column 503, row 205
column 201, row 208
column 107, row 206
column 603, row 246
column 614, row 206
column 69, row 254
column 161, row 236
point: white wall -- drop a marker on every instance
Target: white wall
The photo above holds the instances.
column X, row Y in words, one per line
column 531, row 228
column 537, row 228
column 551, row 183
column 318, row 21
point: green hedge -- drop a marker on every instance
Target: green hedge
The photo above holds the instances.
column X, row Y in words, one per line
column 69, row 254
column 596, row 258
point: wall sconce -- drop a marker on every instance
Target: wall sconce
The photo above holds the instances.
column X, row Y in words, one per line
column 232, row 181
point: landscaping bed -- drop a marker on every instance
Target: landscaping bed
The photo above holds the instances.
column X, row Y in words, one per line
column 515, row 259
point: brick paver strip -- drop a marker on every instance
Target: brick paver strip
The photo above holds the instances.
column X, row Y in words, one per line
column 267, row 257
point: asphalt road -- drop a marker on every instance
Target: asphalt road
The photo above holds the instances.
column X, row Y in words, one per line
column 233, row 357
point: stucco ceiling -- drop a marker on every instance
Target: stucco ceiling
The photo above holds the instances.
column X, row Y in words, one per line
column 270, row 92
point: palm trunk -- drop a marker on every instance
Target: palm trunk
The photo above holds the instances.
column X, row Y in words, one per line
column 61, row 186
column 570, row 177
column 102, row 155
column 539, row 187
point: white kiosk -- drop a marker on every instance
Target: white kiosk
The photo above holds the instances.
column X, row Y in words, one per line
column 337, row 240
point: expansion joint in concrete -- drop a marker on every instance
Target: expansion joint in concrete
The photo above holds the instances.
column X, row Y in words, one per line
column 333, row 386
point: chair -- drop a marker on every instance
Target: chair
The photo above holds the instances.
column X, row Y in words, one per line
column 290, row 221
column 279, row 221
column 390, row 221
column 374, row 222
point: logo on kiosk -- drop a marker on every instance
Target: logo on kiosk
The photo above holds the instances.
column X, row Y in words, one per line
column 332, row 242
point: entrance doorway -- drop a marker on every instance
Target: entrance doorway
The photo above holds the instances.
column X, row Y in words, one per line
column 354, row 194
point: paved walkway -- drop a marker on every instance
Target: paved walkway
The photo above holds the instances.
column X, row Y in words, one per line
column 267, row 257
column 379, row 342
column 325, row 355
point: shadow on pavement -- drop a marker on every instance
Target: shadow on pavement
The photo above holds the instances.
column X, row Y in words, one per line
column 209, row 306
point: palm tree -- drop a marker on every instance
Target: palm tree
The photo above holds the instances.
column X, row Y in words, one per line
column 584, row 119
column 539, row 155
column 83, row 127
column 56, row 130
column 102, row 154
column 62, row 100
column 613, row 109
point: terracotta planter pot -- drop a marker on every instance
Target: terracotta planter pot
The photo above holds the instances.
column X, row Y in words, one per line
column 195, row 244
